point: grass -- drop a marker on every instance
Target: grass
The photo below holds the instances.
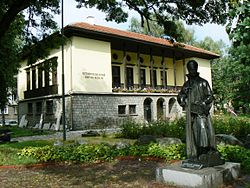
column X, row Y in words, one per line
column 110, row 139
column 21, row 132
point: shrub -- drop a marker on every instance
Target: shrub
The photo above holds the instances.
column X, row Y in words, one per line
column 130, row 129
column 133, row 130
column 235, row 154
column 104, row 152
column 238, row 126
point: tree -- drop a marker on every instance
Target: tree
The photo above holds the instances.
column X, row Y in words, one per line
column 182, row 34
column 17, row 31
column 165, row 13
column 239, row 57
column 42, row 9
column 10, row 46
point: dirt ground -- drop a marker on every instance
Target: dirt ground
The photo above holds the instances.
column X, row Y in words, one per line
column 120, row 174
column 117, row 174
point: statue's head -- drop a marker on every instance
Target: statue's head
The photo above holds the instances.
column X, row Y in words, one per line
column 192, row 67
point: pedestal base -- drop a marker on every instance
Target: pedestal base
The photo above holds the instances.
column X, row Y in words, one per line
column 211, row 177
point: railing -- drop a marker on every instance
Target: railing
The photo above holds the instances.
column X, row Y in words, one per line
column 49, row 90
column 169, row 89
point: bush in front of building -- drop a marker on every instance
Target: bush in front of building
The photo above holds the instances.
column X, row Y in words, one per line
column 237, row 126
column 102, row 152
column 133, row 130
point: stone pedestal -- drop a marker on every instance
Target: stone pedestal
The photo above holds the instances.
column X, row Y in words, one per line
column 211, row 177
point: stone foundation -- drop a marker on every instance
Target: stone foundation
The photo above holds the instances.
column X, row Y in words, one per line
column 90, row 111
column 212, row 177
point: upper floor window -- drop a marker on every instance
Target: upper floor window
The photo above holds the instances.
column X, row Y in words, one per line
column 46, row 74
column 163, row 82
column 143, row 78
column 130, row 77
column 40, row 77
column 28, row 79
column 54, row 77
column 34, row 78
column 153, row 79
column 116, row 78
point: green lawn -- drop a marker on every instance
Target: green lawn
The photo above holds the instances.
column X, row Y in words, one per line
column 20, row 132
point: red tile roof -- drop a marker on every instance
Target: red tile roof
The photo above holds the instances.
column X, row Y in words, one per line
column 137, row 36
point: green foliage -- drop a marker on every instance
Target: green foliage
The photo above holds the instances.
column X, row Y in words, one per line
column 236, row 154
column 238, row 126
column 22, row 23
column 103, row 152
column 199, row 12
column 9, row 152
column 233, row 81
column 177, row 31
column 20, row 132
column 9, row 156
column 171, row 152
column 175, row 128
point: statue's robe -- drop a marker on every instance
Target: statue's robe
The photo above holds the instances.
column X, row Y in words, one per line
column 199, row 131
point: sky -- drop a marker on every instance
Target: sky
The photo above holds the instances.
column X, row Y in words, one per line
column 73, row 14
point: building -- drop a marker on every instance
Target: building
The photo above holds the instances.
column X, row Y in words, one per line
column 9, row 113
column 110, row 75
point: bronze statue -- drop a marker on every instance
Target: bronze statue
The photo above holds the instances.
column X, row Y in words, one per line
column 196, row 98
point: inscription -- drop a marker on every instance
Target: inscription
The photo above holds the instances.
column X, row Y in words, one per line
column 93, row 75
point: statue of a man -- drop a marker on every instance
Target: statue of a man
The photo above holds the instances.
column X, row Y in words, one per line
column 196, row 98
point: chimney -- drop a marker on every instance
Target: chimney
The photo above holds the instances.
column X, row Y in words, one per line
column 90, row 20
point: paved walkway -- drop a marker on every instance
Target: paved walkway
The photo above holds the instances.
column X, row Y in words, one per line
column 59, row 135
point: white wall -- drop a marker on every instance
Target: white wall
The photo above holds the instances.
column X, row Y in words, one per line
column 91, row 65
